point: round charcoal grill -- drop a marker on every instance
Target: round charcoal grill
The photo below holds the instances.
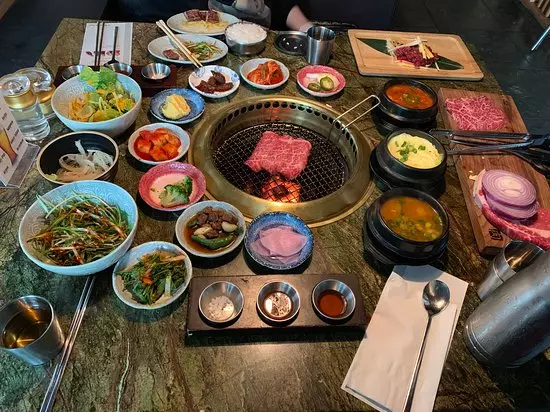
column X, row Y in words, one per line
column 334, row 183
column 326, row 170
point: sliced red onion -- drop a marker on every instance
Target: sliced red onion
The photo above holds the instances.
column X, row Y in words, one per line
column 508, row 188
column 512, row 212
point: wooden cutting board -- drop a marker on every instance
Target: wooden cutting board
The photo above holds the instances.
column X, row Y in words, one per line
column 488, row 238
column 371, row 62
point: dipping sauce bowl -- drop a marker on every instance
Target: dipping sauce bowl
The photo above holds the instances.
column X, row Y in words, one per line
column 155, row 71
column 278, row 302
column 333, row 300
column 221, row 302
column 121, row 68
column 72, row 71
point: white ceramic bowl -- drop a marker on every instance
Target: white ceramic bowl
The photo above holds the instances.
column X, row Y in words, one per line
column 204, row 73
column 178, row 131
column 76, row 88
column 33, row 221
column 250, row 65
column 196, row 208
column 132, row 257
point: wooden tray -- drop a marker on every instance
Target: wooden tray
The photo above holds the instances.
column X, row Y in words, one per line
column 488, row 238
column 250, row 322
column 371, row 62
column 148, row 88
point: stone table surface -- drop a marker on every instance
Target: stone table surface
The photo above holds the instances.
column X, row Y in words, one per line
column 129, row 360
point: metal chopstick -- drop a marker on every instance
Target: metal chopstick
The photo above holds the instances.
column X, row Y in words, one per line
column 96, row 43
column 55, row 381
column 100, row 44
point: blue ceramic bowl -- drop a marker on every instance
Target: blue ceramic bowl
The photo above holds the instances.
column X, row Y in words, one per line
column 194, row 100
column 271, row 219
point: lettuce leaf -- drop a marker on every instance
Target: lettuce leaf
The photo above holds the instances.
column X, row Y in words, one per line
column 103, row 79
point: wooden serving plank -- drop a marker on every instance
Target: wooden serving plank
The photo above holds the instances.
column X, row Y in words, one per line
column 249, row 322
column 488, row 238
column 371, row 62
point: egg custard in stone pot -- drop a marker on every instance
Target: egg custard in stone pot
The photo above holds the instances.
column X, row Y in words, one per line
column 410, row 158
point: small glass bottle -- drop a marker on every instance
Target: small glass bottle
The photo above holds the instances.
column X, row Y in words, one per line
column 16, row 90
column 42, row 87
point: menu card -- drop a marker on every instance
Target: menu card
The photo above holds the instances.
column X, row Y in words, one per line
column 16, row 155
column 123, row 43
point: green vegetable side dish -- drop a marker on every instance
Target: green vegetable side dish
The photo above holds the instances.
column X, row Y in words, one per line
column 215, row 243
column 154, row 275
column 109, row 99
column 212, row 229
column 326, row 83
column 176, row 194
column 316, row 87
column 79, row 230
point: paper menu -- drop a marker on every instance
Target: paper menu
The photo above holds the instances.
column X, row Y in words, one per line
column 13, row 146
column 124, row 43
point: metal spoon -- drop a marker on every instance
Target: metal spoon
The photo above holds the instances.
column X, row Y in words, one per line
column 435, row 297
column 114, row 60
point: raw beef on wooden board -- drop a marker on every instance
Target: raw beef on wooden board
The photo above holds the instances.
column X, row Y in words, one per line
column 276, row 154
column 477, row 113
column 536, row 231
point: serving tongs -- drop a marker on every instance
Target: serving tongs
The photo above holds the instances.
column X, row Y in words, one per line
column 534, row 149
column 338, row 122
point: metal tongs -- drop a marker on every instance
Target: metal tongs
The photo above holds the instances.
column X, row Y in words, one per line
column 534, row 149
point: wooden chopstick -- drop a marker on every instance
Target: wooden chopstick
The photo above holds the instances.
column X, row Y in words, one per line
column 177, row 42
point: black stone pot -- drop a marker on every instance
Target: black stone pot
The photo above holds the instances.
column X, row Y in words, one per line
column 390, row 172
column 389, row 247
column 48, row 158
column 402, row 113
column 386, row 124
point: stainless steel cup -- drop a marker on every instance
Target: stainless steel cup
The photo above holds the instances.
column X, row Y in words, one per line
column 516, row 256
column 30, row 330
column 319, row 44
column 512, row 325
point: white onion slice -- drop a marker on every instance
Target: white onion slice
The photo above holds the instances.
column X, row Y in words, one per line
column 508, row 188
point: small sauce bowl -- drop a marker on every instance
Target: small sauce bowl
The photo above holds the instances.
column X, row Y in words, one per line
column 121, row 68
column 155, row 72
column 339, row 288
column 218, row 290
column 285, row 291
column 72, row 71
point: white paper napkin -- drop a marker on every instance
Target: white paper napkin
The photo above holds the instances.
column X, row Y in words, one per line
column 382, row 369
column 124, row 43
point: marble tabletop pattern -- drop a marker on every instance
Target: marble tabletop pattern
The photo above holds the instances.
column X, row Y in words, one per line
column 129, row 360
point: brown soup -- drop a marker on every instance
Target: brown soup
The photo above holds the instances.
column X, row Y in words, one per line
column 409, row 96
column 412, row 218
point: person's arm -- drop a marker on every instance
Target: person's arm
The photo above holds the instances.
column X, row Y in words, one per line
column 296, row 20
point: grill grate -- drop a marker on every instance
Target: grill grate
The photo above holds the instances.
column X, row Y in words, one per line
column 325, row 172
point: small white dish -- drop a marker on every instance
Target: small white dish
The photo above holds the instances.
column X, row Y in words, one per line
column 178, row 131
column 250, row 65
column 132, row 257
column 205, row 72
column 193, row 210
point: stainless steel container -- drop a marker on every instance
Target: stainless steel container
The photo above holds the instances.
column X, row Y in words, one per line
column 517, row 255
column 244, row 48
column 319, row 44
column 30, row 330
column 512, row 325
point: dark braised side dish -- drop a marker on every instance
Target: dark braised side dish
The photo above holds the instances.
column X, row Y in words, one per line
column 216, row 83
column 214, row 228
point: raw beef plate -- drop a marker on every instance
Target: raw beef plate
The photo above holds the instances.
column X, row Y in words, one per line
column 476, row 113
column 276, row 154
column 536, row 231
column 280, row 244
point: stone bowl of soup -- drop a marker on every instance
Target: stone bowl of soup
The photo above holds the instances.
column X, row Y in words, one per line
column 411, row 158
column 408, row 100
column 408, row 226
